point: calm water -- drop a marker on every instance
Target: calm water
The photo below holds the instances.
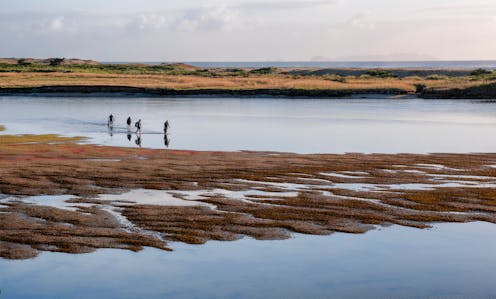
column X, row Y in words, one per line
column 292, row 125
column 449, row 261
column 437, row 64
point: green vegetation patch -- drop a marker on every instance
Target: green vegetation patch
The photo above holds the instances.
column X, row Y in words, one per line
column 436, row 77
column 480, row 72
column 264, row 71
column 45, row 138
column 167, row 69
column 380, row 73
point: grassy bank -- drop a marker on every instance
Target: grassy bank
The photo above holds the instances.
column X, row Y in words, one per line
column 182, row 77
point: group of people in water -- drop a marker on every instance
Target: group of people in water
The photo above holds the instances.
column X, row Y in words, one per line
column 138, row 129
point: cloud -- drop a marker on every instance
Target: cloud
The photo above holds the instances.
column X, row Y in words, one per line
column 210, row 19
column 207, row 18
column 361, row 21
column 57, row 24
column 284, row 5
column 251, row 30
column 149, row 21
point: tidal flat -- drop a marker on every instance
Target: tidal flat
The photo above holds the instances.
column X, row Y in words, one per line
column 197, row 196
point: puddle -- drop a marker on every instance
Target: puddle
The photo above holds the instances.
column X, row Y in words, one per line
column 454, row 176
column 150, row 197
column 346, row 174
column 356, row 186
column 54, row 201
column 436, row 167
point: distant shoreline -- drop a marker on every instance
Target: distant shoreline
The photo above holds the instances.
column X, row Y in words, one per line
column 59, row 76
column 106, row 91
column 424, row 64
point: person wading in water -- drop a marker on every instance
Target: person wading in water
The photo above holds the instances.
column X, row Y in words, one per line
column 138, row 126
column 110, row 122
column 129, row 122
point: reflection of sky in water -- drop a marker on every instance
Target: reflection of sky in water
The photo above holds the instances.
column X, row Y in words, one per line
column 296, row 125
column 450, row 261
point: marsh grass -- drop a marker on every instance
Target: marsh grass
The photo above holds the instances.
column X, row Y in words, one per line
column 185, row 82
column 185, row 77
column 52, row 167
column 46, row 138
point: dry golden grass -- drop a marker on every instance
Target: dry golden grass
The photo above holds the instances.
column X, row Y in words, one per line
column 276, row 81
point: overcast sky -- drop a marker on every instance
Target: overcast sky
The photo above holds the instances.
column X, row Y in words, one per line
column 249, row 30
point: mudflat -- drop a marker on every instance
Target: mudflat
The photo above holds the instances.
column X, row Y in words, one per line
column 222, row 195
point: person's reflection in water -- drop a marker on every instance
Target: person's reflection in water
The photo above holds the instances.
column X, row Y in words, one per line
column 138, row 140
column 111, row 131
column 128, row 136
column 166, row 140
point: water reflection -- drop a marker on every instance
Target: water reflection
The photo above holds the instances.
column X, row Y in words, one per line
column 449, row 261
column 138, row 140
column 348, row 125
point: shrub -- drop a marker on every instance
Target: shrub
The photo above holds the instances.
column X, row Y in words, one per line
column 380, row 73
column 436, row 77
column 56, row 61
column 264, row 71
column 419, row 88
column 480, row 72
column 23, row 61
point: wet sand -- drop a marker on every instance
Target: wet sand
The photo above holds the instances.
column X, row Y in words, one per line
column 229, row 195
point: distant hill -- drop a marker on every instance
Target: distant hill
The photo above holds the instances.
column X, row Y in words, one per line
column 183, row 66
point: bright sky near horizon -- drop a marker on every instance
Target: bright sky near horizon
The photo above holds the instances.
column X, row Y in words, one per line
column 249, row 30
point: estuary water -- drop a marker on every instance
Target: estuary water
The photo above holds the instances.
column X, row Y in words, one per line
column 447, row 261
column 427, row 64
column 266, row 124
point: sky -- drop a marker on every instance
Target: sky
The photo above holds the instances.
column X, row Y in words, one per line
column 249, row 30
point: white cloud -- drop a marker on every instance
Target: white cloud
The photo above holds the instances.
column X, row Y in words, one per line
column 220, row 18
column 152, row 21
column 57, row 24
column 255, row 30
column 362, row 21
